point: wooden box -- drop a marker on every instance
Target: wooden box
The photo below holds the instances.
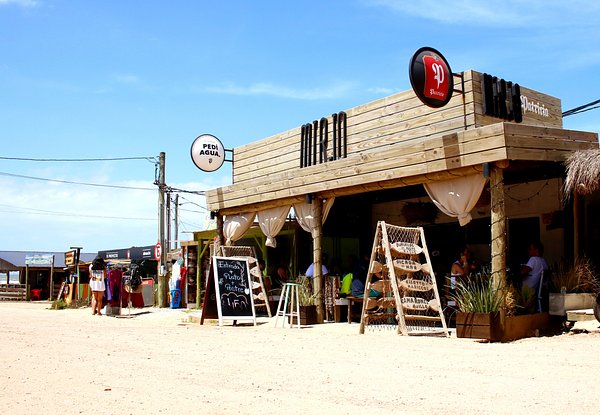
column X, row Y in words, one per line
column 478, row 325
column 308, row 315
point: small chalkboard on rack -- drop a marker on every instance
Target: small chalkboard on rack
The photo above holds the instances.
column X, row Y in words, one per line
column 231, row 290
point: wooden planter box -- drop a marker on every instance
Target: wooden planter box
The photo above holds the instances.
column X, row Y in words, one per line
column 528, row 325
column 487, row 326
column 308, row 315
column 478, row 325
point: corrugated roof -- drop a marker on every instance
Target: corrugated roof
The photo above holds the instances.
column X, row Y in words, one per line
column 12, row 260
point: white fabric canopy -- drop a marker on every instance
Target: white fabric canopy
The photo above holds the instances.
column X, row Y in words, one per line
column 234, row 227
column 457, row 197
column 305, row 213
column 271, row 221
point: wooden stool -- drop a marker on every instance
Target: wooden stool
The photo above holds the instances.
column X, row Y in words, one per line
column 351, row 300
column 289, row 292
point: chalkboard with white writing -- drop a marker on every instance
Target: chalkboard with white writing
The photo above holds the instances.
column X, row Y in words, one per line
column 233, row 286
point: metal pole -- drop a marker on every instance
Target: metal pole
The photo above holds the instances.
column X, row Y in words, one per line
column 176, row 221
column 162, row 284
column 168, row 222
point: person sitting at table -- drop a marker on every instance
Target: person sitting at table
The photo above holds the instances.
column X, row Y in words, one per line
column 310, row 272
column 279, row 276
column 462, row 267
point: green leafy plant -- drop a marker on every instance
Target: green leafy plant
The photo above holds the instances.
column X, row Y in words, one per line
column 59, row 304
column 527, row 300
column 305, row 292
column 477, row 295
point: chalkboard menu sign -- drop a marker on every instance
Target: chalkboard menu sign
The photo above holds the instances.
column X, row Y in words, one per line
column 233, row 289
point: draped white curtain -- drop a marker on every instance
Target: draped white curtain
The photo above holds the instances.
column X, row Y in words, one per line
column 305, row 213
column 457, row 197
column 271, row 221
column 234, row 227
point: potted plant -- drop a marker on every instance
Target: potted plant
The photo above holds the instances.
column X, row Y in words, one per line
column 308, row 307
column 573, row 287
column 478, row 303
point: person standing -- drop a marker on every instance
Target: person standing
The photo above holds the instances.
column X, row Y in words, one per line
column 533, row 270
column 97, row 285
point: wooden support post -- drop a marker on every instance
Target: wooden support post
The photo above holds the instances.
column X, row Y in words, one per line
column 575, row 225
column 317, row 234
column 220, row 237
column 498, row 234
column 52, row 280
column 26, row 282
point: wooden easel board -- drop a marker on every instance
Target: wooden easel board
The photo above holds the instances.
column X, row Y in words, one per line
column 230, row 290
column 400, row 271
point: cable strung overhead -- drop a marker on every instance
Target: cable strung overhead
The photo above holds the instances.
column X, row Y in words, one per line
column 151, row 159
column 583, row 108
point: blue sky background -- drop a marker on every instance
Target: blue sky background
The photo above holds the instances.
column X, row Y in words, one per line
column 83, row 79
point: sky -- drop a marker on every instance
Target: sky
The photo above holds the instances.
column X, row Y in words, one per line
column 124, row 79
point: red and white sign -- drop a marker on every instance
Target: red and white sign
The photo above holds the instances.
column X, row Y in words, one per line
column 436, row 78
column 431, row 77
column 157, row 251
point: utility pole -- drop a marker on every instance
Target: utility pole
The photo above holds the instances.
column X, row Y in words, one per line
column 168, row 222
column 162, row 282
column 176, row 221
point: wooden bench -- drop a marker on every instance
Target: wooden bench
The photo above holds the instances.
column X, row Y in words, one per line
column 16, row 292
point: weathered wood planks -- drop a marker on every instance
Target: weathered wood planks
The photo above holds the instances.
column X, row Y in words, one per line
column 396, row 141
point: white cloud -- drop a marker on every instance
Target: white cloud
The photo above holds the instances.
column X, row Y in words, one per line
column 511, row 13
column 21, row 3
column 128, row 79
column 53, row 216
column 336, row 90
column 382, row 90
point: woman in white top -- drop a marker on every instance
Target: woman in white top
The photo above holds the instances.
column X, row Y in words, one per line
column 97, row 277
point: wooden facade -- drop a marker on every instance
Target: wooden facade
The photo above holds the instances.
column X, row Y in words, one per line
column 398, row 141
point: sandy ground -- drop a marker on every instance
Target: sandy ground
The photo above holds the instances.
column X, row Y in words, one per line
column 156, row 362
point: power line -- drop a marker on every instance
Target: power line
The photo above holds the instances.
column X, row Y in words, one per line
column 176, row 190
column 193, row 203
column 78, row 183
column 148, row 158
column 582, row 108
column 57, row 213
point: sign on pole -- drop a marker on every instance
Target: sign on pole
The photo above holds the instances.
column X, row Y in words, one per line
column 431, row 77
column 208, row 153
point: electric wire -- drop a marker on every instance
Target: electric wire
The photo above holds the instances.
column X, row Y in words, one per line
column 56, row 160
column 582, row 108
column 33, row 211
column 77, row 183
column 193, row 203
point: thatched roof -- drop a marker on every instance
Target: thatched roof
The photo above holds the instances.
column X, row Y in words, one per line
column 583, row 172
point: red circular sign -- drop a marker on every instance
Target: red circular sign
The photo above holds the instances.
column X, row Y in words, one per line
column 157, row 251
column 431, row 77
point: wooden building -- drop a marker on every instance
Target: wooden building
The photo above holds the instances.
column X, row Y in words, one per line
column 387, row 149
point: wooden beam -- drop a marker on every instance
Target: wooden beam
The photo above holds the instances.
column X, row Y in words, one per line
column 498, row 224
column 317, row 234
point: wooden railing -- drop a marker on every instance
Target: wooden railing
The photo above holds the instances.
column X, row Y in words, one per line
column 13, row 292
